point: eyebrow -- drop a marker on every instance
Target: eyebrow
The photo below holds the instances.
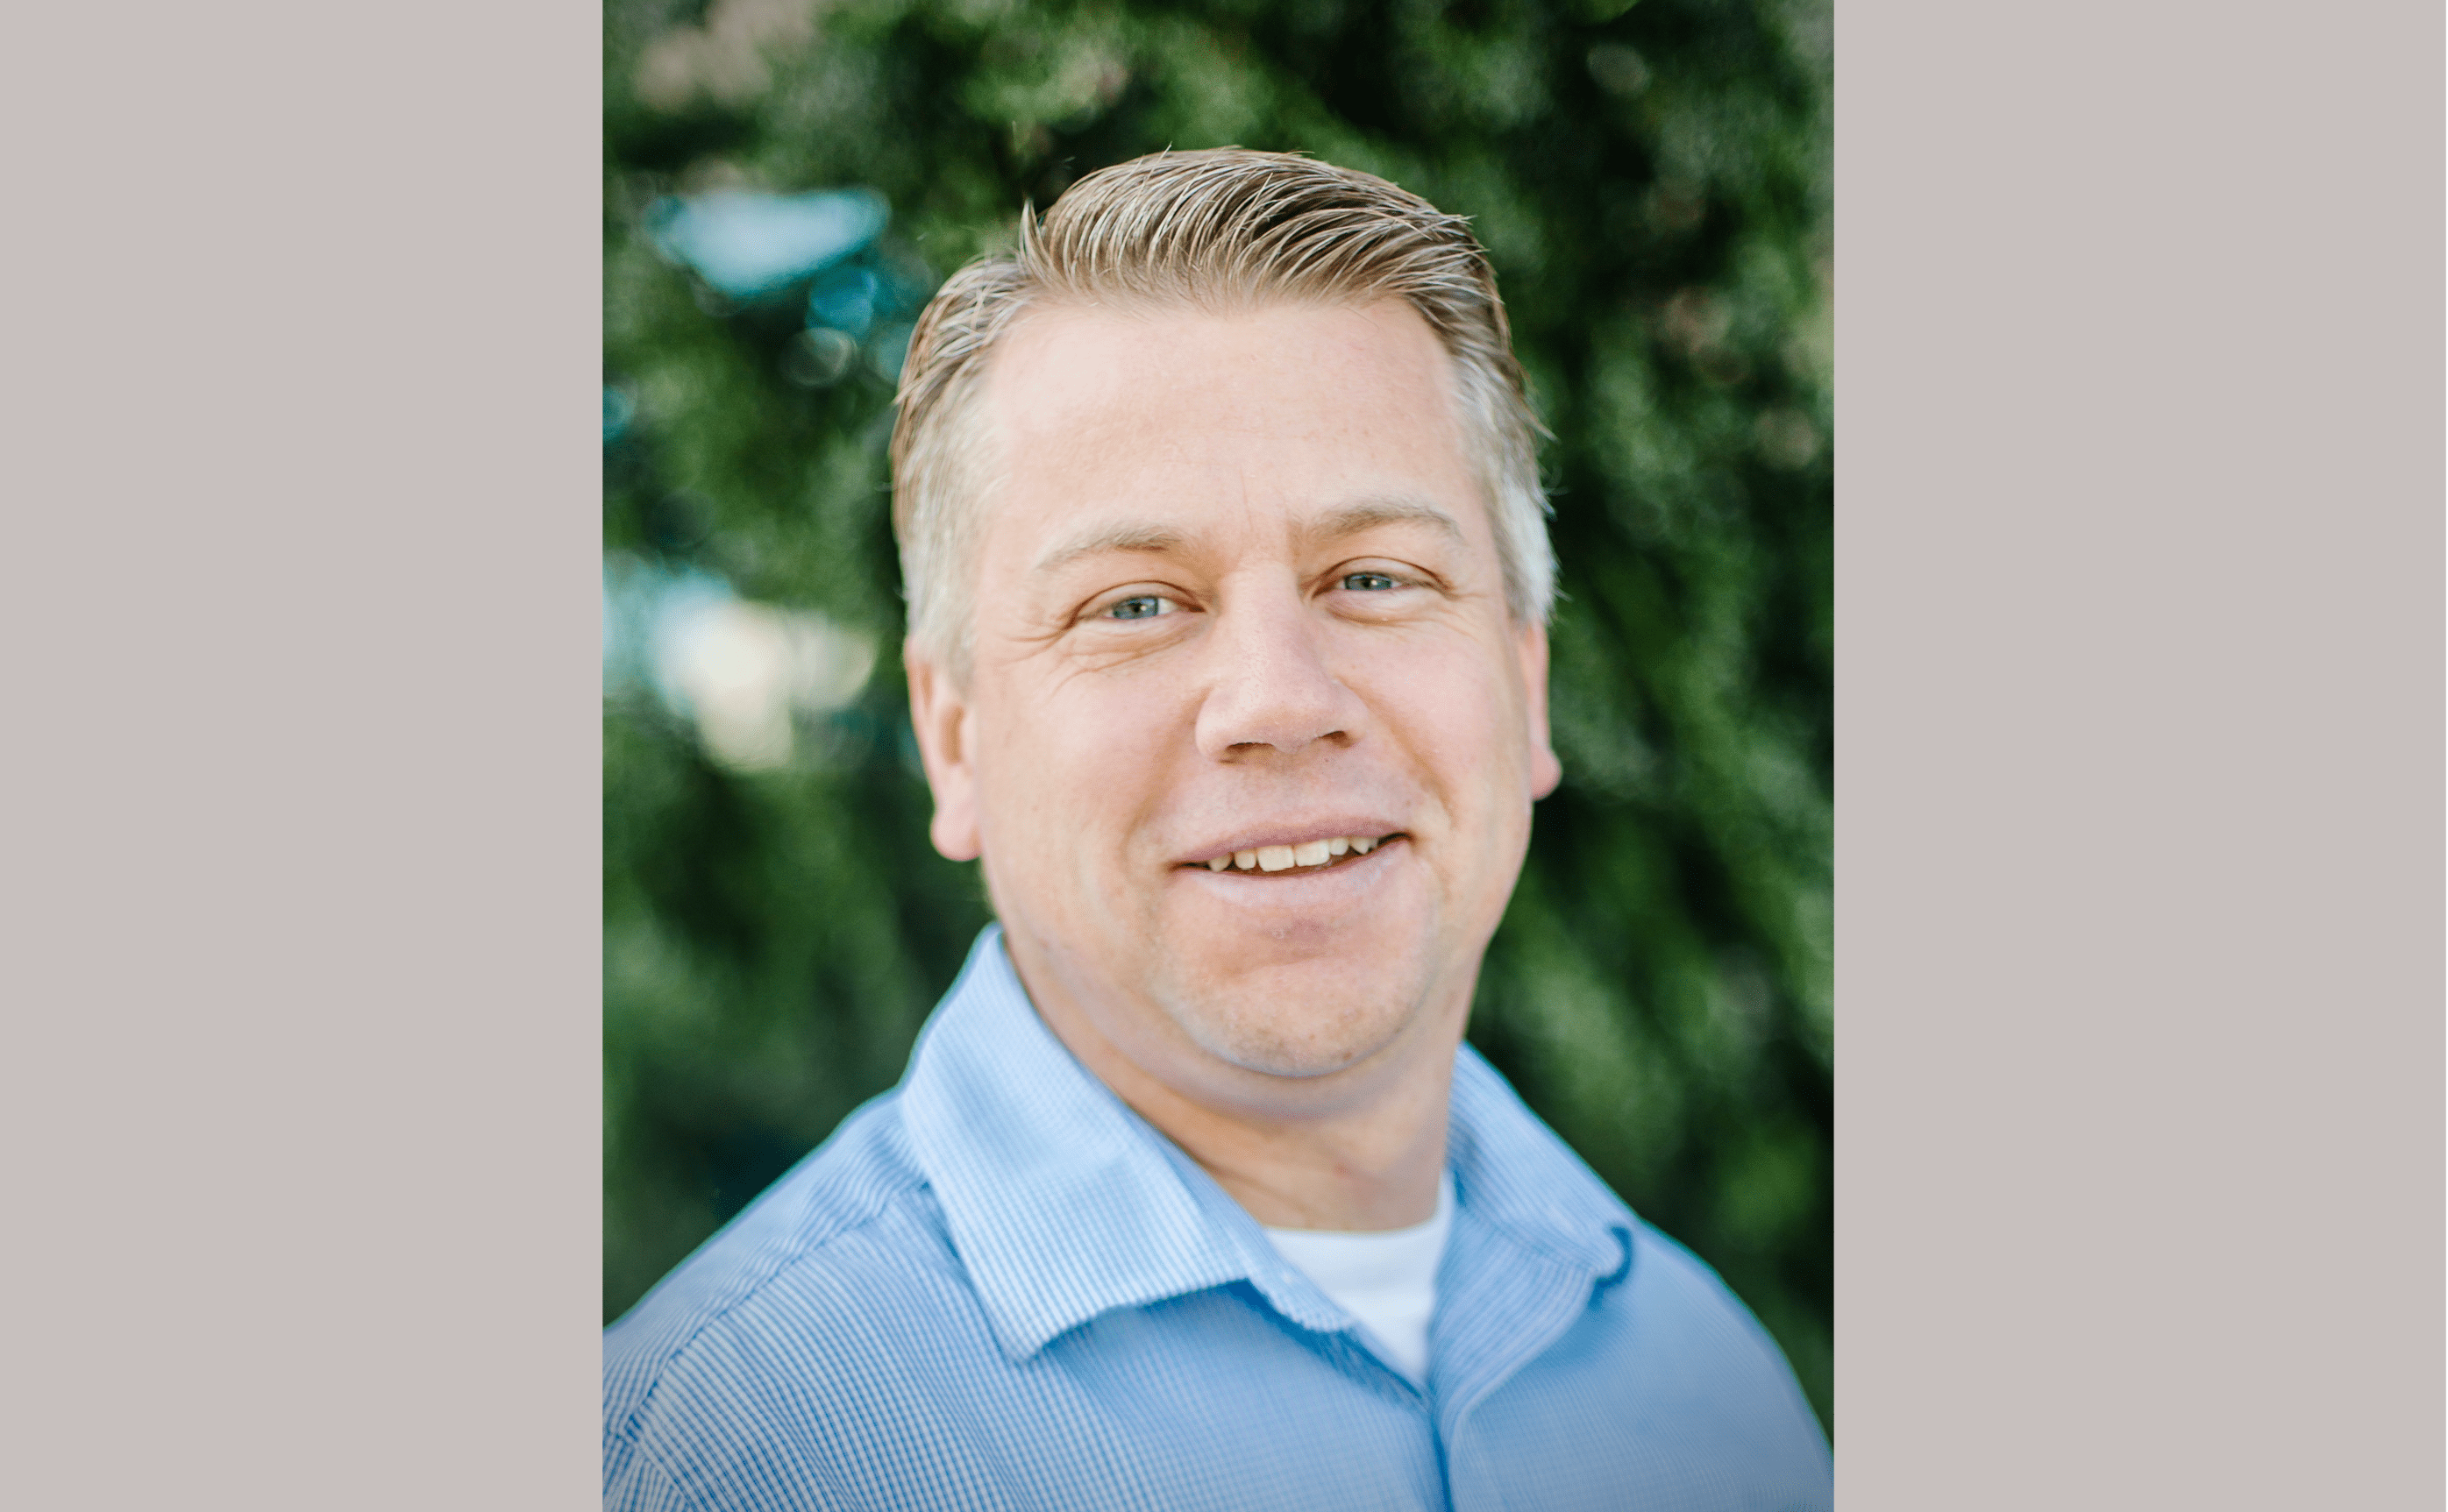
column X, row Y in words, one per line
column 1370, row 513
column 1127, row 536
column 1349, row 519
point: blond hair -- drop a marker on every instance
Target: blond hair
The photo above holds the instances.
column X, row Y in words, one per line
column 1216, row 229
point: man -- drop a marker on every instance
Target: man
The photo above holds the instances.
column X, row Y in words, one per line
column 1228, row 578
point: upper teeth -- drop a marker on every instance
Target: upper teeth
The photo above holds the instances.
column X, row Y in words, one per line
column 1284, row 857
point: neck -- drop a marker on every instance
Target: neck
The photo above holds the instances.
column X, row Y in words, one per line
column 1365, row 1168
column 1357, row 1149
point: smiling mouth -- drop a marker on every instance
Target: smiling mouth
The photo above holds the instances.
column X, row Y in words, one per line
column 1298, row 861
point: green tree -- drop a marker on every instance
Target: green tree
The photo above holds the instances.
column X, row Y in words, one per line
column 1652, row 184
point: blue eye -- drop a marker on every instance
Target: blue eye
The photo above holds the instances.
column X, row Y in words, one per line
column 1142, row 606
column 1368, row 582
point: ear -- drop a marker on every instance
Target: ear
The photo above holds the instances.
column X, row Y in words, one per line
column 939, row 712
column 1530, row 644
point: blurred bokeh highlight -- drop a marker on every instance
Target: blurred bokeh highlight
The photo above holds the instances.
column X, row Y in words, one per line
column 786, row 180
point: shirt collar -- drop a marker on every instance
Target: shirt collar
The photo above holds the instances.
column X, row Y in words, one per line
column 1064, row 1205
column 1513, row 1173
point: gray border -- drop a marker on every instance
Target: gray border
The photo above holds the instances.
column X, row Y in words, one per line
column 2139, row 547
column 2139, row 556
column 299, row 1060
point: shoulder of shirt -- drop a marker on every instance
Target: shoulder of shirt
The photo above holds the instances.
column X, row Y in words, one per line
column 1697, row 1315
column 860, row 1178
column 1664, row 1265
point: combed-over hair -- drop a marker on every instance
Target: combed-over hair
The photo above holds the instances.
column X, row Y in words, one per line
column 1219, row 229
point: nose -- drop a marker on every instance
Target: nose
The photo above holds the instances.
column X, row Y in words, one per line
column 1270, row 686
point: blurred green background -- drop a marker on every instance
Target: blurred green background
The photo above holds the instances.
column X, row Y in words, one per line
column 785, row 182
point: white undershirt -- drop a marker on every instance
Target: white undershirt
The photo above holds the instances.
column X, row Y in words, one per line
column 1387, row 1279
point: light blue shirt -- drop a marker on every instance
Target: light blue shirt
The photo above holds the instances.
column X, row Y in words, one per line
column 997, row 1287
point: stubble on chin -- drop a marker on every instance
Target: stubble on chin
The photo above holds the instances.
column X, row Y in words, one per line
column 1276, row 1025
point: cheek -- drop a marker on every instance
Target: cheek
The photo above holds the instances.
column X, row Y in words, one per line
column 1069, row 770
column 1461, row 720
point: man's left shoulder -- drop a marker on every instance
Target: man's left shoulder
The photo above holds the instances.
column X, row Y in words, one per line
column 1665, row 1391
column 1708, row 1365
column 1669, row 1281
column 1691, row 1315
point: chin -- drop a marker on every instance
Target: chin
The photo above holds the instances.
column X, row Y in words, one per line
column 1308, row 1019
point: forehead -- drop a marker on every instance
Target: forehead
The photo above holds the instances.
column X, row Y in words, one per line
column 1289, row 408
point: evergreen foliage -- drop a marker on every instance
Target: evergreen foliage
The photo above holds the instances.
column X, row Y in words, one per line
column 1652, row 184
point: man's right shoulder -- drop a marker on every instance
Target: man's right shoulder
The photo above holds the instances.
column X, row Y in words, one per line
column 852, row 1227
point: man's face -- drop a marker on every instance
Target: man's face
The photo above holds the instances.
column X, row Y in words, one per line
column 1236, row 590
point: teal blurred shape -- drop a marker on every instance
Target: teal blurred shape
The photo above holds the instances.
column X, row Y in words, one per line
column 619, row 410
column 644, row 601
column 847, row 299
column 746, row 243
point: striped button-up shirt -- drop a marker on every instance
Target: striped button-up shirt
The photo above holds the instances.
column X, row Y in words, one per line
column 997, row 1287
